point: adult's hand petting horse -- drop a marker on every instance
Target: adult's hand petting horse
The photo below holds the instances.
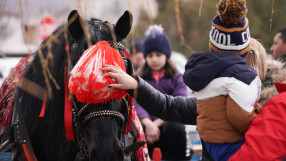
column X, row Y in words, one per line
column 123, row 80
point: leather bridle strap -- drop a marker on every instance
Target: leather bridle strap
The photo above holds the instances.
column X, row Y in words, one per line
column 97, row 28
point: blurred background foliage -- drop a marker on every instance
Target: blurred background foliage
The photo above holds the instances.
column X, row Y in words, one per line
column 196, row 18
column 186, row 22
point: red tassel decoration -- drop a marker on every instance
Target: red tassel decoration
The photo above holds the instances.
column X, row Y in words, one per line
column 87, row 82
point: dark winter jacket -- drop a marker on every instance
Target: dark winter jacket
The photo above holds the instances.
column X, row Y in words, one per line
column 176, row 109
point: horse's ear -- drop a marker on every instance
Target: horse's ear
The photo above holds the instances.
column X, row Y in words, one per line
column 75, row 25
column 123, row 25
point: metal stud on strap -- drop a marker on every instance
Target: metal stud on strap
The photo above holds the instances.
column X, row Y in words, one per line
column 103, row 113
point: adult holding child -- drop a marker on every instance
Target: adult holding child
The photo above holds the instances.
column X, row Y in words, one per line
column 227, row 89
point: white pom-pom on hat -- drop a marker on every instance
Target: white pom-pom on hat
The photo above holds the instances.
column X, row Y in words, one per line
column 154, row 29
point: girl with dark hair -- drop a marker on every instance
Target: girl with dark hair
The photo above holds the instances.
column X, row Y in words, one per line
column 161, row 73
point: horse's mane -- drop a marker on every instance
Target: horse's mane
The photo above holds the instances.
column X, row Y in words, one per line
column 55, row 57
column 51, row 126
column 44, row 80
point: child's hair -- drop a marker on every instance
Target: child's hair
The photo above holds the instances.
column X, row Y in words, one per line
column 170, row 70
column 256, row 58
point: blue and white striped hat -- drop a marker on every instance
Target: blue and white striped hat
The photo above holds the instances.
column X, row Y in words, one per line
column 230, row 30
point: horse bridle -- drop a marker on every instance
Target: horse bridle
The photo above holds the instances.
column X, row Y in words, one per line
column 79, row 118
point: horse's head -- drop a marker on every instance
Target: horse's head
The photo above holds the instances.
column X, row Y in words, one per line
column 87, row 33
column 99, row 127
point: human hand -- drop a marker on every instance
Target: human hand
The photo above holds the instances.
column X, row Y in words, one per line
column 124, row 81
column 152, row 132
column 158, row 122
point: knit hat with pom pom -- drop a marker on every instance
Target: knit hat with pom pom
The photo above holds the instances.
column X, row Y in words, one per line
column 230, row 31
column 156, row 40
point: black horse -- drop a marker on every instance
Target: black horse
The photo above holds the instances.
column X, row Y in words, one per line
column 96, row 139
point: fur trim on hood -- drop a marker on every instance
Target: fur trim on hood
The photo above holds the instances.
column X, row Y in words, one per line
column 276, row 72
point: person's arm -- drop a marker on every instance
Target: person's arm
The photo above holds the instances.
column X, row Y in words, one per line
column 169, row 108
column 141, row 112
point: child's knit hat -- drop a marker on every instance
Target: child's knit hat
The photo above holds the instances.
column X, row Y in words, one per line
column 230, row 31
column 156, row 40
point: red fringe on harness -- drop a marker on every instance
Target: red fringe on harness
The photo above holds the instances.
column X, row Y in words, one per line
column 142, row 152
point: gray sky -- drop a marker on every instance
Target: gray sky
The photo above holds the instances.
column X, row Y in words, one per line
column 11, row 38
column 108, row 10
column 33, row 9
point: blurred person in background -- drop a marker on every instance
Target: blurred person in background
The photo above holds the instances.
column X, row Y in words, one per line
column 268, row 69
column 160, row 72
column 278, row 49
column 136, row 54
